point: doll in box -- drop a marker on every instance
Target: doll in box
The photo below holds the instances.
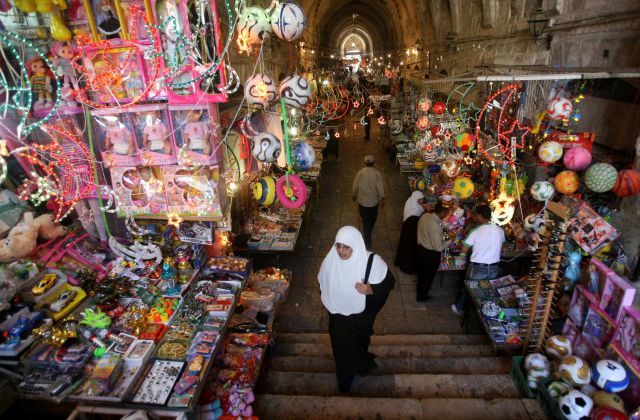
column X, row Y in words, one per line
column 196, row 133
column 118, row 139
column 155, row 134
column 579, row 307
column 626, row 336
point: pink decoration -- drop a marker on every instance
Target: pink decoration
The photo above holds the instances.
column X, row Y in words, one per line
column 577, row 159
column 298, row 188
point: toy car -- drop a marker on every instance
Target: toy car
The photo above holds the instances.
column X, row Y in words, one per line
column 46, row 282
column 25, row 324
column 63, row 300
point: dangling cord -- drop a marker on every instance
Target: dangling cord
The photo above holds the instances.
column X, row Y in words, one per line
column 87, row 118
column 286, row 140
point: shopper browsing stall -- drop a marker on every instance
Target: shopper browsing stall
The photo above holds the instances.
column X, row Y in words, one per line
column 485, row 240
column 368, row 192
column 406, row 255
column 431, row 242
column 352, row 294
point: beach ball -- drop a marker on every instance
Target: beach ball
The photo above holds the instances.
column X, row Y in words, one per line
column 542, row 190
column 575, row 371
column 450, row 168
column 423, row 123
column 465, row 142
column 264, row 191
column 610, row 376
column 463, row 187
column 550, row 151
column 295, row 91
column 303, row 156
column 600, row 177
column 627, row 183
column 439, row 108
column 253, row 25
column 577, row 159
column 567, row 182
column 424, row 104
column 560, row 109
column 260, row 90
column 288, row 21
column 266, row 147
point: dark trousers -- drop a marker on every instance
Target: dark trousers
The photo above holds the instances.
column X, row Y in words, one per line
column 369, row 216
column 428, row 264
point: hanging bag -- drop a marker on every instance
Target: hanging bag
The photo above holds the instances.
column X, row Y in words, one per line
column 376, row 301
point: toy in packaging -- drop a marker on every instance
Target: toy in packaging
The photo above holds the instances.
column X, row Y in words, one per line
column 155, row 139
column 626, row 339
column 580, row 302
column 42, row 83
column 140, row 190
column 197, row 131
column 616, row 294
column 192, row 192
column 62, row 54
column 115, row 139
column 106, row 18
column 598, row 327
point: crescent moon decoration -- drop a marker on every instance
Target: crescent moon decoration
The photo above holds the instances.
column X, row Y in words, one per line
column 510, row 134
column 135, row 228
column 19, row 96
column 466, row 111
column 233, row 82
column 113, row 201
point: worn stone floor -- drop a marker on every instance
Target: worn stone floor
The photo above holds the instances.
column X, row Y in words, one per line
column 303, row 311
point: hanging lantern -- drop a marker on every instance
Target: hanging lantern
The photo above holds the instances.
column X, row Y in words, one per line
column 423, row 123
column 288, row 21
column 295, row 91
column 560, row 109
column 439, row 108
column 260, row 90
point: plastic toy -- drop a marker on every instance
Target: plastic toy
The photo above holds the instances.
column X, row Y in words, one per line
column 63, row 300
column 291, row 191
column 95, row 318
column 40, row 77
column 46, row 283
column 572, row 272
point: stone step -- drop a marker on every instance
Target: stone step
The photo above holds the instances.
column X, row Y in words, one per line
column 392, row 386
column 388, row 339
column 452, row 365
column 285, row 407
column 385, row 351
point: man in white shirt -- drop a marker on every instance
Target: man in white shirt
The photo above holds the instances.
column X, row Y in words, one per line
column 368, row 192
column 485, row 240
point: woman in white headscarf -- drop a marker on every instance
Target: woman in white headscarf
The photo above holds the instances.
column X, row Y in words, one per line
column 352, row 302
column 407, row 252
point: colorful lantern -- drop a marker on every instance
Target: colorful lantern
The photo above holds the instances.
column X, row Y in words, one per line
column 560, row 109
column 260, row 90
column 465, row 142
column 463, row 187
column 423, row 123
column 542, row 190
column 288, row 21
column 550, row 151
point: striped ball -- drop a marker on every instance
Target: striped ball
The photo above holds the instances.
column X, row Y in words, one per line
column 627, row 183
column 288, row 21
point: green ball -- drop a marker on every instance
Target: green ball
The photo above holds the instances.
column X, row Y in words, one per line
column 600, row 177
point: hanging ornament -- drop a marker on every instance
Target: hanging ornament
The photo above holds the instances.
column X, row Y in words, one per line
column 577, row 159
column 423, row 123
column 381, row 120
column 260, row 90
column 253, row 27
column 503, row 209
column 264, row 191
column 439, row 108
column 424, row 104
column 266, row 147
column 567, row 182
column 550, row 151
column 291, row 191
column 542, row 190
column 288, row 21
column 303, row 156
column 295, row 90
column 463, row 187
column 465, row 142
column 560, row 109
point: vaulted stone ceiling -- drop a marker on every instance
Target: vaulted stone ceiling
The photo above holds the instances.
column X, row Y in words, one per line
column 391, row 24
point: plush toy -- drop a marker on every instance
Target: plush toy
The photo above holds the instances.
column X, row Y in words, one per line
column 23, row 237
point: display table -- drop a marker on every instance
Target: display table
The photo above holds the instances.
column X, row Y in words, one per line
column 501, row 318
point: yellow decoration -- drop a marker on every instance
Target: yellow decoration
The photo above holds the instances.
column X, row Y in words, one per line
column 567, row 182
column 25, row 6
column 463, row 187
column 44, row 6
column 174, row 220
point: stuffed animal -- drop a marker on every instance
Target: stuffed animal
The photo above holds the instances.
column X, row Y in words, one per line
column 22, row 238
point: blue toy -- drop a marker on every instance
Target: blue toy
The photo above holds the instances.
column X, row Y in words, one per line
column 572, row 272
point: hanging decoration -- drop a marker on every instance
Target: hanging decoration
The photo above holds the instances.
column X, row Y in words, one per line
column 503, row 209
column 600, row 177
column 567, row 182
column 288, row 21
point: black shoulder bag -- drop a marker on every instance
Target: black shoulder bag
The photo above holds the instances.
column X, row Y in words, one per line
column 381, row 291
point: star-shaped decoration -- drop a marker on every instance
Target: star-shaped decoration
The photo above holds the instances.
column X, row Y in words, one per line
column 381, row 120
column 356, row 104
column 447, row 135
column 437, row 142
column 174, row 219
column 370, row 111
column 337, row 135
column 468, row 160
column 317, row 132
column 512, row 139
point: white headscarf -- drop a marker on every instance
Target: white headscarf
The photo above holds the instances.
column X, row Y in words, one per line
column 338, row 277
column 412, row 207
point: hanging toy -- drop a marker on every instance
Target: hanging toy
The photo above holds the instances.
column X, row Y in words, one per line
column 253, row 27
column 59, row 30
column 266, row 147
column 572, row 273
column 264, row 191
column 295, row 91
column 288, row 21
column 291, row 191
column 260, row 90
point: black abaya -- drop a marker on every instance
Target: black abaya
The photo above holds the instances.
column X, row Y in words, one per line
column 351, row 335
column 407, row 253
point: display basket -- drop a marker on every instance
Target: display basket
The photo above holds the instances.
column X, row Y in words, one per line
column 548, row 404
column 519, row 377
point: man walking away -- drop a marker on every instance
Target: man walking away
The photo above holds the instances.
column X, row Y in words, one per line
column 432, row 240
column 368, row 192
